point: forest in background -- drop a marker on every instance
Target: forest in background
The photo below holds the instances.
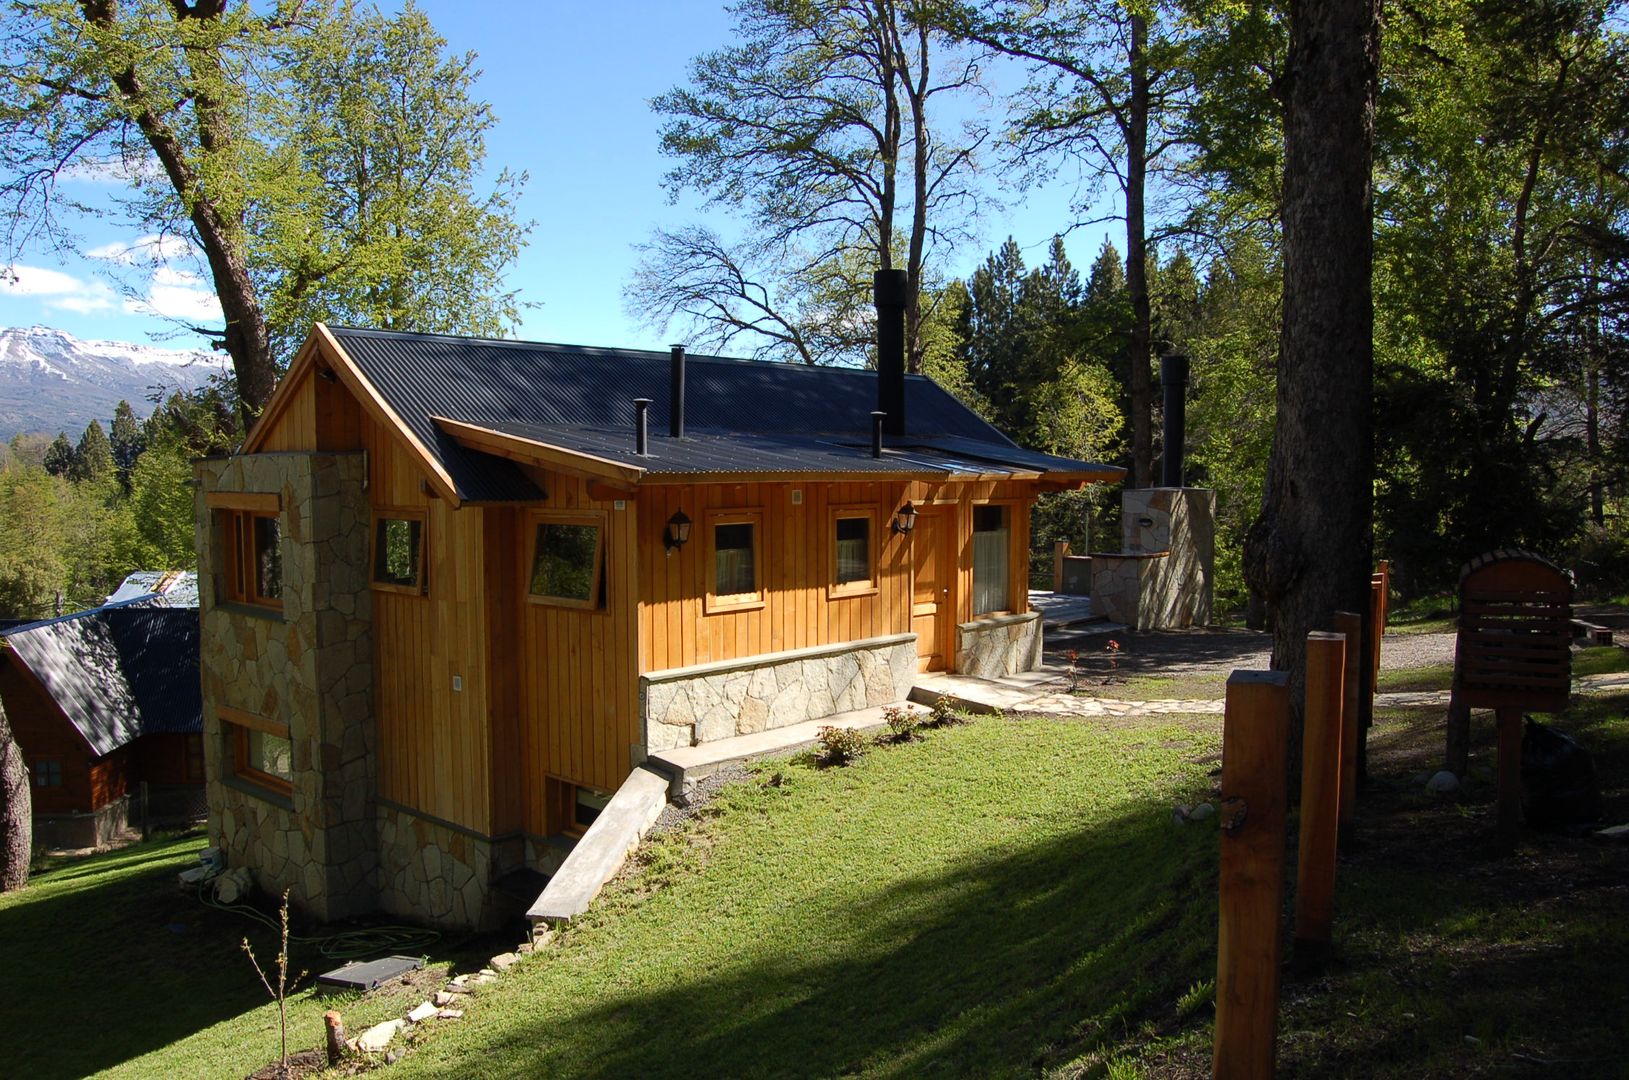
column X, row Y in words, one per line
column 828, row 139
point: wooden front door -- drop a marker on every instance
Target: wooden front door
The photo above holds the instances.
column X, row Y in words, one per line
column 930, row 596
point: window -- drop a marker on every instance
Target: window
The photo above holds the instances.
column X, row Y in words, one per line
column 262, row 752
column 398, row 551
column 254, row 557
column 47, row 774
column 735, row 565
column 851, row 553
column 568, row 562
column 992, row 559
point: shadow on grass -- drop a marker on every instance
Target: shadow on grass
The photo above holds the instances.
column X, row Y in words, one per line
column 1010, row 963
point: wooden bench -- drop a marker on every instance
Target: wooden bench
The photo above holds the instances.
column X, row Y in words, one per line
column 1513, row 652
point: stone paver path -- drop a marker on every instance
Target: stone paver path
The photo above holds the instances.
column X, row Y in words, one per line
column 1055, row 702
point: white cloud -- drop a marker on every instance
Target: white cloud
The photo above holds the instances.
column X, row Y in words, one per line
column 57, row 290
column 177, row 302
column 151, row 248
column 167, row 275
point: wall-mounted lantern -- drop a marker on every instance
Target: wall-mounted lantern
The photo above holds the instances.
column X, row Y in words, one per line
column 677, row 533
column 905, row 519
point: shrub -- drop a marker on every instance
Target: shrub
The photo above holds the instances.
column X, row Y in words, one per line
column 902, row 723
column 839, row 746
column 943, row 713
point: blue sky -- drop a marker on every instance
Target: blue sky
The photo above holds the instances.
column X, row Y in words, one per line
column 570, row 83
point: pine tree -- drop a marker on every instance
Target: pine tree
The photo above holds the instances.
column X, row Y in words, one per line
column 128, row 441
column 59, row 456
column 93, row 457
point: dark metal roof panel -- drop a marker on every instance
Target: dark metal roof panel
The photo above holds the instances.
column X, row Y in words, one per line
column 118, row 671
column 495, row 383
column 734, row 452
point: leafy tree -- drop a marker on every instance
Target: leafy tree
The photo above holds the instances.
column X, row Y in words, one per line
column 231, row 126
column 370, row 214
column 822, row 127
column 160, row 534
column 93, row 457
column 59, row 456
column 1109, row 89
column 32, row 567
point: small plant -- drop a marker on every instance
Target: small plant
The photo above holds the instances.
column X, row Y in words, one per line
column 839, row 746
column 1074, row 670
column 1113, row 649
column 943, row 712
column 279, row 994
column 1197, row 997
column 902, row 723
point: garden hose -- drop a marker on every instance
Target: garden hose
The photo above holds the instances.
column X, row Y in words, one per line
column 344, row 945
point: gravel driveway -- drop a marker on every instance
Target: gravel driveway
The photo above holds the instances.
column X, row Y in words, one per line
column 1216, row 651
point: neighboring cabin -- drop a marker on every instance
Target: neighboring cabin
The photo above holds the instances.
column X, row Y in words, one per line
column 448, row 604
column 100, row 701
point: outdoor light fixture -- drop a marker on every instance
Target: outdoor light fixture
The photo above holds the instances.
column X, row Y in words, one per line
column 905, row 519
column 677, row 533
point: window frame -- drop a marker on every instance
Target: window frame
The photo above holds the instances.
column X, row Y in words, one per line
column 600, row 521
column 236, row 512
column 240, row 723
column 714, row 603
column 42, row 770
column 421, row 584
column 1009, row 508
column 867, row 586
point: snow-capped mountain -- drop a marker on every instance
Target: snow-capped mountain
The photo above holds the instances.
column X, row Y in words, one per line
column 51, row 381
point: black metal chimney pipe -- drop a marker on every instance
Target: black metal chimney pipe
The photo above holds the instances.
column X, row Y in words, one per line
column 1174, row 379
column 877, row 417
column 641, row 405
column 890, row 292
column 675, row 401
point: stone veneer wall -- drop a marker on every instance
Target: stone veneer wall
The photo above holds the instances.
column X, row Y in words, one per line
column 436, row 874
column 310, row 665
column 1164, row 579
column 994, row 647
column 691, row 705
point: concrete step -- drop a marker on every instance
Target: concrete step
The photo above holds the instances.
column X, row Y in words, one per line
column 975, row 695
column 687, row 764
column 599, row 852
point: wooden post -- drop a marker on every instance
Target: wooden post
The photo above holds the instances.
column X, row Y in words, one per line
column 1320, row 793
column 1060, row 551
column 1349, row 624
column 1456, row 755
column 146, row 831
column 1510, row 773
column 1255, row 758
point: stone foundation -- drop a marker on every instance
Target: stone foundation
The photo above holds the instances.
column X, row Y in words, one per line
column 310, row 666
column 432, row 873
column 707, row 702
column 999, row 646
column 88, row 830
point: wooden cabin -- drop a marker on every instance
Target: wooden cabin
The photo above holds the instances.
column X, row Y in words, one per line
column 100, row 702
column 452, row 594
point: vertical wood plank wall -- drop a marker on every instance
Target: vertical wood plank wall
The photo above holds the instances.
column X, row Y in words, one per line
column 675, row 629
column 579, row 686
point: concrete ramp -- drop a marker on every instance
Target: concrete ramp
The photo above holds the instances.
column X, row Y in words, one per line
column 603, row 848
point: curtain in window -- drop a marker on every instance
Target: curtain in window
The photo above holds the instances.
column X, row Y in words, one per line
column 990, row 571
column 853, row 550
column 732, row 547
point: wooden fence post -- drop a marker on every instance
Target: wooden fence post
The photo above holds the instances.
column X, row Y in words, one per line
column 1509, row 718
column 1255, row 758
column 1060, row 551
column 1349, row 624
column 1320, row 793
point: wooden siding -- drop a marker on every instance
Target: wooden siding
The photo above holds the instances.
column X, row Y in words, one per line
column 435, row 750
column 798, row 611
column 296, row 427
column 579, row 685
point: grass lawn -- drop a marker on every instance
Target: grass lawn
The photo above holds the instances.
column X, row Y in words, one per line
column 1006, row 898
column 111, row 967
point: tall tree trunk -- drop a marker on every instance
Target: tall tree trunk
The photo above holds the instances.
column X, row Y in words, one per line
column 1141, row 388
column 921, row 145
column 1311, row 549
column 16, row 811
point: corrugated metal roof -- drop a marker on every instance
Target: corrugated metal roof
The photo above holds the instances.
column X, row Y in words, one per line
column 702, row 452
column 507, row 384
column 118, row 671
